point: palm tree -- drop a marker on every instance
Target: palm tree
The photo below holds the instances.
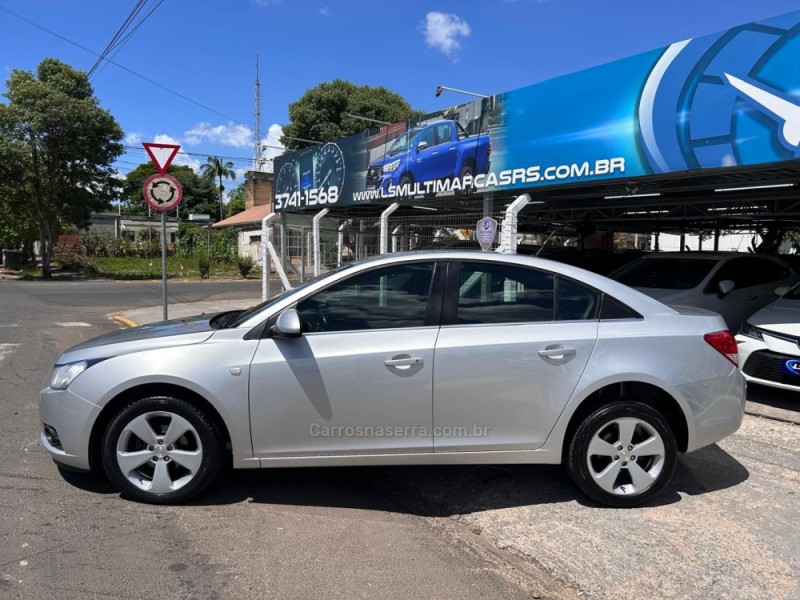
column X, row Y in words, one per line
column 216, row 169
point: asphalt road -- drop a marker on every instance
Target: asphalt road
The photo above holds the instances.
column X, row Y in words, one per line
column 726, row 528
column 284, row 534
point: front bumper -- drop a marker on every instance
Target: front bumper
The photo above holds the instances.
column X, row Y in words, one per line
column 382, row 182
column 72, row 418
column 762, row 361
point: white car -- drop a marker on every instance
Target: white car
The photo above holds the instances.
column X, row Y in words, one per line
column 769, row 343
column 733, row 284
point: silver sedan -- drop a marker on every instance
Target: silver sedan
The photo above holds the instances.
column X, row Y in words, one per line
column 421, row 358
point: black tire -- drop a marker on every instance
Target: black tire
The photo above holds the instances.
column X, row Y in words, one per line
column 466, row 169
column 190, row 462
column 632, row 423
column 406, row 179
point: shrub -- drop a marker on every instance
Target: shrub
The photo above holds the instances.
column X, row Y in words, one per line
column 204, row 267
column 245, row 264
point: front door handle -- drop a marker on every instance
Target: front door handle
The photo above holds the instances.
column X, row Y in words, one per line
column 753, row 297
column 407, row 361
column 557, row 352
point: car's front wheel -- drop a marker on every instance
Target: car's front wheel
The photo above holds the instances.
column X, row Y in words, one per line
column 161, row 450
column 623, row 454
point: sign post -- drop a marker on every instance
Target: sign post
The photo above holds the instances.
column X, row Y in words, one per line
column 163, row 193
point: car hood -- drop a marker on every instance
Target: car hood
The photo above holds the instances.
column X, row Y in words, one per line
column 177, row 332
column 782, row 316
column 379, row 162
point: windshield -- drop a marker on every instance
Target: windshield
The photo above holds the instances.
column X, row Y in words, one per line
column 402, row 143
column 665, row 273
column 245, row 315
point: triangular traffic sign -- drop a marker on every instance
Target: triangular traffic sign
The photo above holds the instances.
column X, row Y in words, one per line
column 161, row 154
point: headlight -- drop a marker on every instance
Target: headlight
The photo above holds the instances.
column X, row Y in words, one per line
column 63, row 375
column 751, row 332
column 392, row 166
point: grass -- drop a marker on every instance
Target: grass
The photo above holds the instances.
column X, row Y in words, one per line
column 147, row 268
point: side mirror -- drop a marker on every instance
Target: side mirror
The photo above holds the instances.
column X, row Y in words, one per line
column 422, row 146
column 726, row 286
column 288, row 324
column 780, row 291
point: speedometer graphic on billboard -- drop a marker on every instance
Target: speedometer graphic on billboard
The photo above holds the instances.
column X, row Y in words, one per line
column 724, row 100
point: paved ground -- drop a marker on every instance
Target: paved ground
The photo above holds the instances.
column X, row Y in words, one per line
column 282, row 534
column 726, row 528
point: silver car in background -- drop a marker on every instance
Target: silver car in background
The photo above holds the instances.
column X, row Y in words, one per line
column 733, row 284
column 419, row 358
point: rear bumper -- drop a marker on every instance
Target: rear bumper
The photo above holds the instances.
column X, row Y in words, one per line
column 716, row 407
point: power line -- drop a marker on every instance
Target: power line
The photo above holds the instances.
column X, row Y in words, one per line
column 206, row 154
column 121, row 43
column 124, row 68
column 110, row 45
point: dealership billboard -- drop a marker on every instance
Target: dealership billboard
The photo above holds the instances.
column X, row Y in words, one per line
column 729, row 99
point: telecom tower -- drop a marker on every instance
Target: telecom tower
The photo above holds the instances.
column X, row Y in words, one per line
column 258, row 155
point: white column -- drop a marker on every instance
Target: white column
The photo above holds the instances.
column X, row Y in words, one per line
column 385, row 226
column 508, row 229
column 265, row 231
column 315, row 228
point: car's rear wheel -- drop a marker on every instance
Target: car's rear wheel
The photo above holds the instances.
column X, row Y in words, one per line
column 161, row 450
column 623, row 454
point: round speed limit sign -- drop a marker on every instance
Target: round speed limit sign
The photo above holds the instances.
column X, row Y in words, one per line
column 162, row 192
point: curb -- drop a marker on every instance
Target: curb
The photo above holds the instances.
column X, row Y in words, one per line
column 773, row 417
column 124, row 321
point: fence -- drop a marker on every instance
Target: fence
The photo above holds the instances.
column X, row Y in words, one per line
column 346, row 240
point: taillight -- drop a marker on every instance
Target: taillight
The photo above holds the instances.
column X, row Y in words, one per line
column 724, row 343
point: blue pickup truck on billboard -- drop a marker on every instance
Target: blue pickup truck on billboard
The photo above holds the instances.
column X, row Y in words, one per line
column 440, row 150
column 721, row 101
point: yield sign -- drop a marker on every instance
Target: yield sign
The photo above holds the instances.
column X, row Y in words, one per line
column 161, row 154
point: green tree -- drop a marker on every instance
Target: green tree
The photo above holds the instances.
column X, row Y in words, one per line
column 199, row 193
column 216, row 169
column 321, row 112
column 61, row 145
column 235, row 201
column 18, row 222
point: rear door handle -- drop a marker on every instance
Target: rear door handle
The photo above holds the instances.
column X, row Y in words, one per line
column 403, row 362
column 557, row 352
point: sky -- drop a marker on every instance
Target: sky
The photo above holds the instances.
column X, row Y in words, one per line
column 186, row 74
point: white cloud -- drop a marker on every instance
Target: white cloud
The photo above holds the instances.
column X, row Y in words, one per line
column 181, row 158
column 443, row 30
column 324, row 11
column 163, row 138
column 271, row 145
column 133, row 138
column 231, row 134
column 266, row 3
